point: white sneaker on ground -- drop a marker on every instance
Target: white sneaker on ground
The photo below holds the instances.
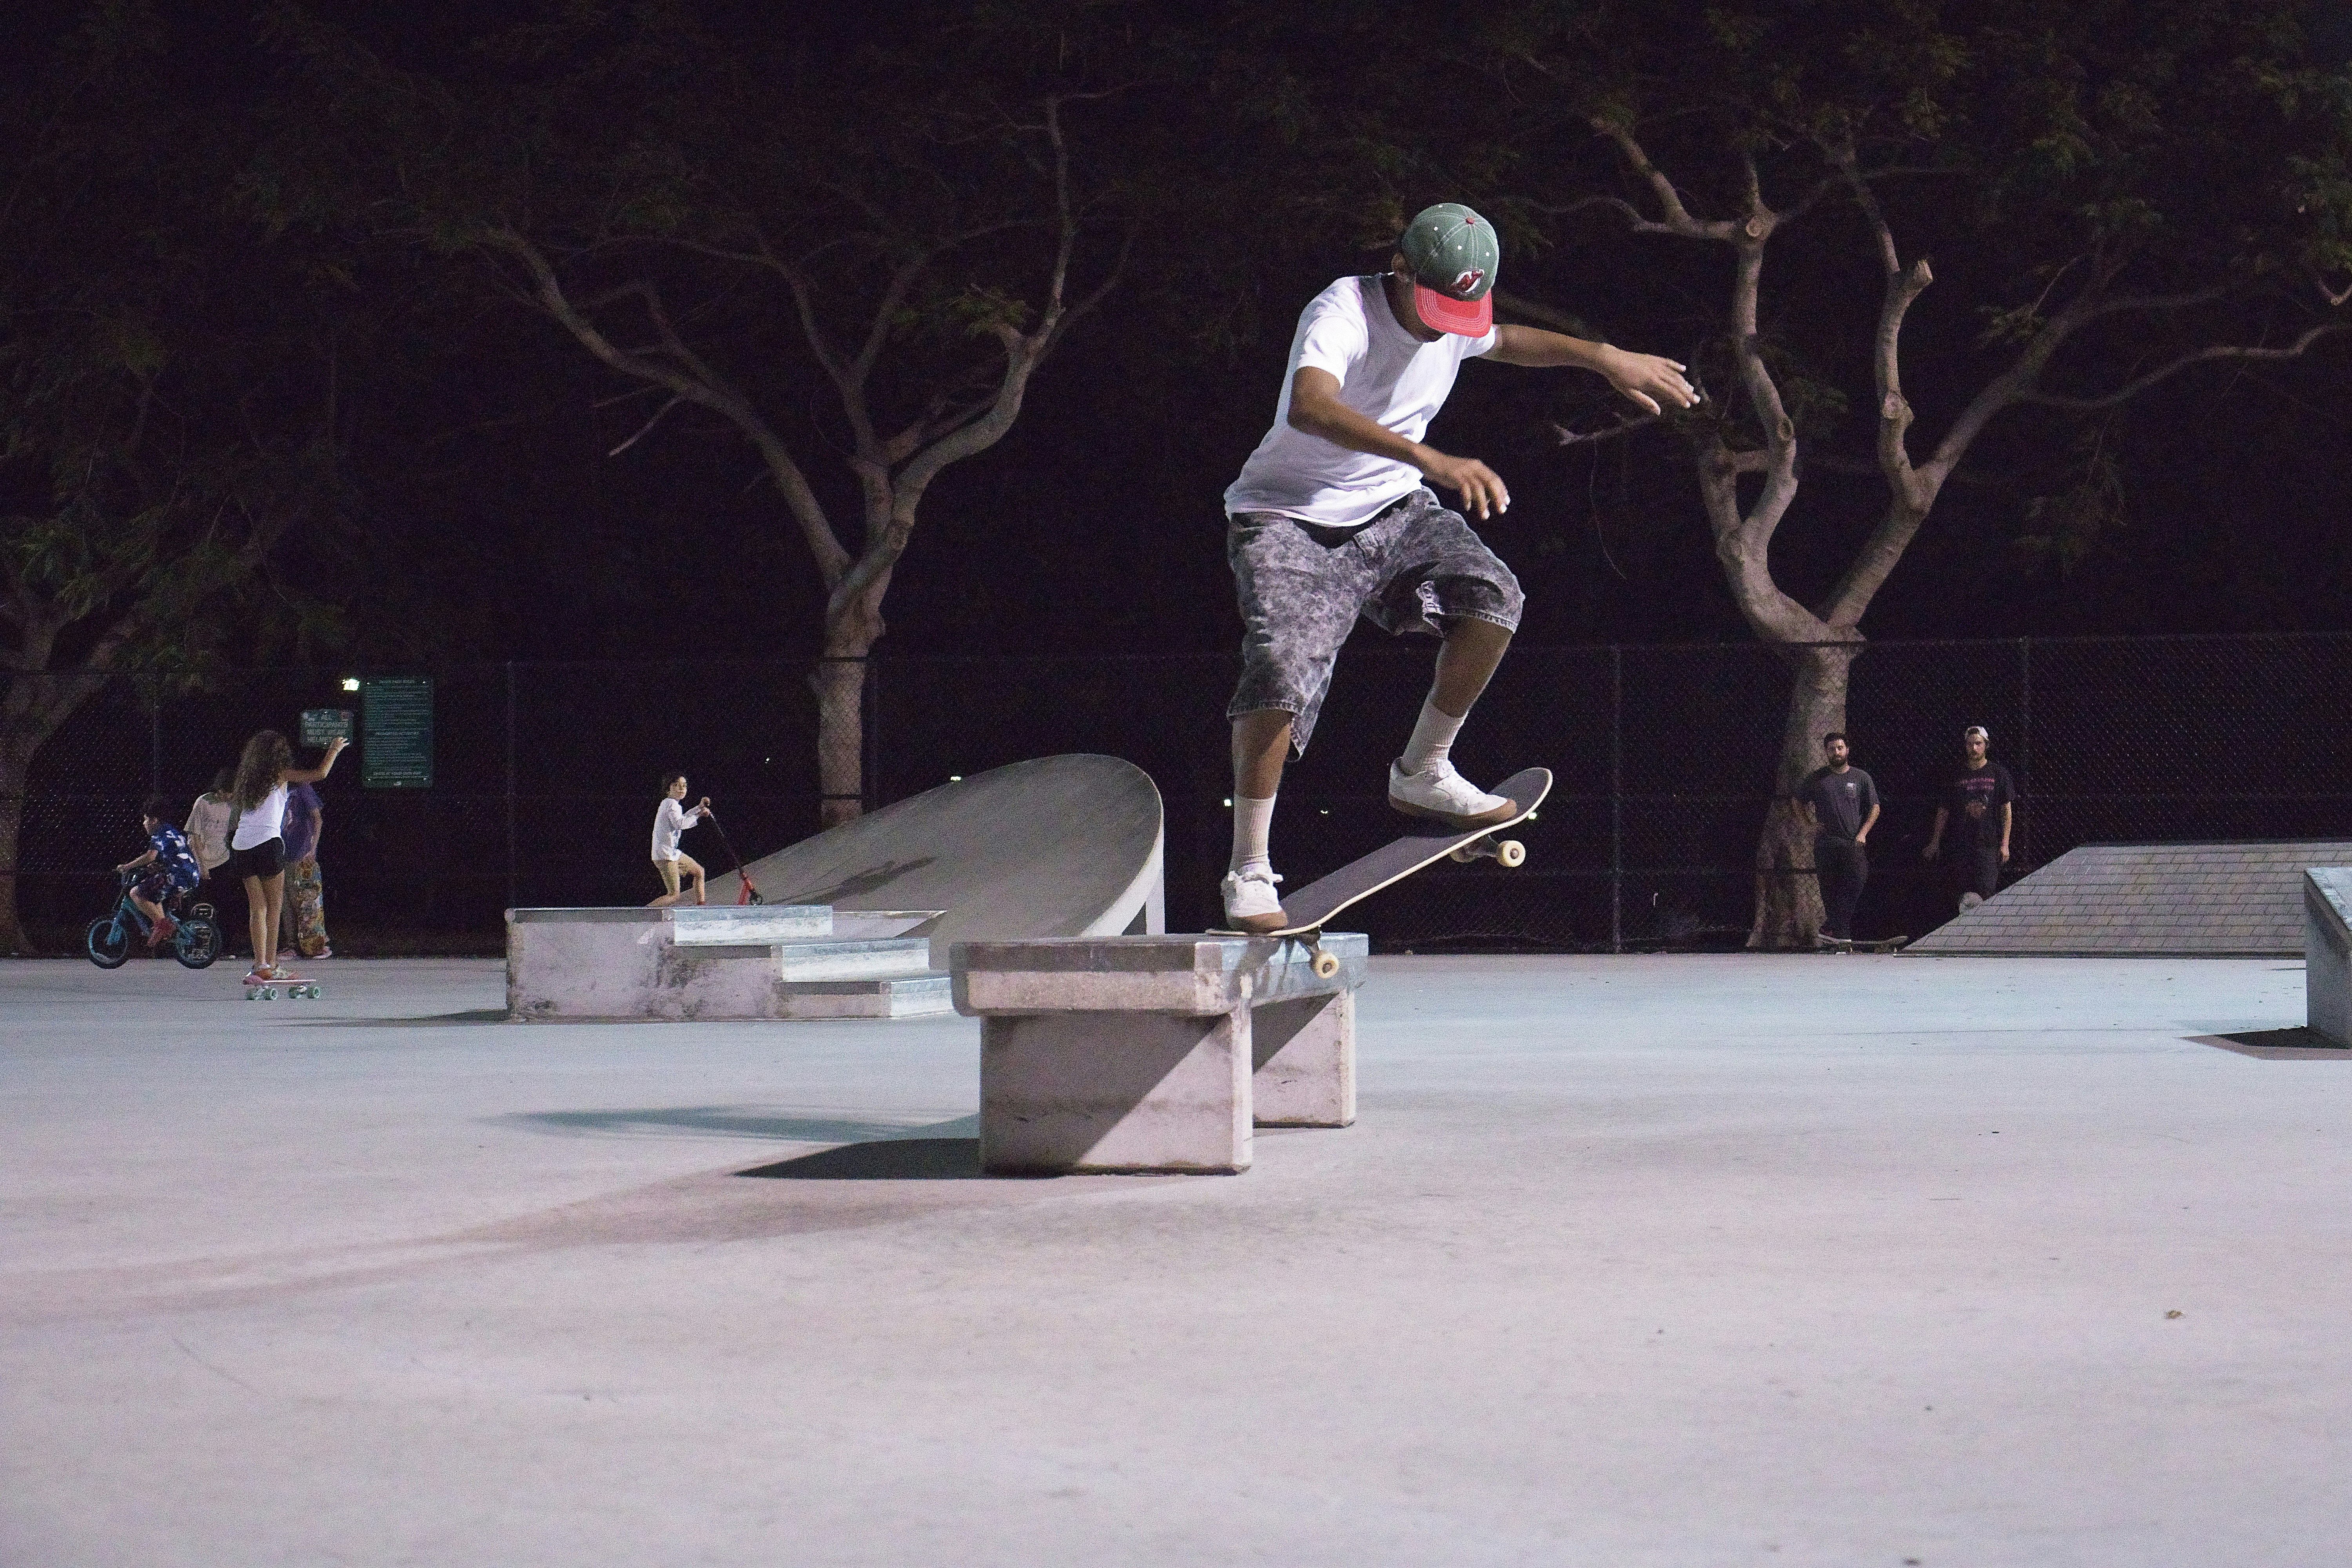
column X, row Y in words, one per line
column 1443, row 794
column 1251, row 902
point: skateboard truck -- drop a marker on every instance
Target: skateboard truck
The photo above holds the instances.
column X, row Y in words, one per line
column 1503, row 851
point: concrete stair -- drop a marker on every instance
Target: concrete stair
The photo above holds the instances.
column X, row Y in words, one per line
column 722, row 962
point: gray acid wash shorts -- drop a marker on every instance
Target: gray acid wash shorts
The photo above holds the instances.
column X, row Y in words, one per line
column 1413, row 568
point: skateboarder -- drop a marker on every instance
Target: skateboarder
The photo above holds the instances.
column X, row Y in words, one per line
column 1842, row 802
column 1333, row 518
column 1978, row 806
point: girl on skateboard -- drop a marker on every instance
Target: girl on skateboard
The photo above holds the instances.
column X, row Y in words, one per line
column 258, row 846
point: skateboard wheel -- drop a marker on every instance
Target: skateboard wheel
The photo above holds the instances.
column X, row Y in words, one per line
column 1511, row 852
column 1326, row 964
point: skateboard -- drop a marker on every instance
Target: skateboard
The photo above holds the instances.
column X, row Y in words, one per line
column 1316, row 905
column 262, row 988
column 1848, row 944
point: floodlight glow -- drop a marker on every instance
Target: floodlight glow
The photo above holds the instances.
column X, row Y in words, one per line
column 351, row 683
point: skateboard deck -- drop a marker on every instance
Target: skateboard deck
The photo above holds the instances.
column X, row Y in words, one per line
column 1847, row 944
column 1316, row 905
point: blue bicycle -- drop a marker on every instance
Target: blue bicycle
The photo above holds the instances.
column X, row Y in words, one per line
column 195, row 944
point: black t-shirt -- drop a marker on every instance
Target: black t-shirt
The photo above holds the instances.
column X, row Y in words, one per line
column 1975, row 800
column 1842, row 802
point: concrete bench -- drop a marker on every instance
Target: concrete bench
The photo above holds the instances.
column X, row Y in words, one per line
column 1155, row 1053
column 2327, row 952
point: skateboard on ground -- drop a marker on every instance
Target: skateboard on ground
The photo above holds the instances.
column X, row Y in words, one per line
column 1316, row 905
column 263, row 988
column 1849, row 944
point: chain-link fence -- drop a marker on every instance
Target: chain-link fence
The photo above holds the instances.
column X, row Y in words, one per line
column 546, row 775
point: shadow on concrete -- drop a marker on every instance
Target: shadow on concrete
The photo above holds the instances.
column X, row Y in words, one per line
column 728, row 1121
column 884, row 1160
column 430, row 1021
column 2296, row 1045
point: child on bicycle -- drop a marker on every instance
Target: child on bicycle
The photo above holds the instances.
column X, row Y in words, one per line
column 175, row 870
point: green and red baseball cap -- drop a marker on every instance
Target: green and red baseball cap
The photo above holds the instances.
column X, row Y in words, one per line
column 1453, row 254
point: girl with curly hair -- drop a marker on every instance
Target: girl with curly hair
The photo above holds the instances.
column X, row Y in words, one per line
column 257, row 847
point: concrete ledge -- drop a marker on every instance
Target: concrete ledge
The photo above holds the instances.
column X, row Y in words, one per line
column 1194, row 976
column 1156, row 1054
column 2327, row 952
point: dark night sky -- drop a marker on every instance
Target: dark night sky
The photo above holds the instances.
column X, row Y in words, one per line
column 1096, row 527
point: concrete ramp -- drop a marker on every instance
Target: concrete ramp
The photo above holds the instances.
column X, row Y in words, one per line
column 1068, row 846
column 2152, row 900
column 2327, row 952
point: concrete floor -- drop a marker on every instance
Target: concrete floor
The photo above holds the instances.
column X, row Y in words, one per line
column 1629, row 1261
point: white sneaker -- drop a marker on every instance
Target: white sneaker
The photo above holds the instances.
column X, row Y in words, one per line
column 1445, row 794
column 1251, row 902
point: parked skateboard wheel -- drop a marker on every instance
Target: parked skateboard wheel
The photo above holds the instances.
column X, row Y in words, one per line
column 1326, row 964
column 1511, row 852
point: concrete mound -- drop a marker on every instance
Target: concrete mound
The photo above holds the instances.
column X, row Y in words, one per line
column 1067, row 846
column 2152, row 900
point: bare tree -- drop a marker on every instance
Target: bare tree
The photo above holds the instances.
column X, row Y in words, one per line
column 970, row 411
column 2182, row 297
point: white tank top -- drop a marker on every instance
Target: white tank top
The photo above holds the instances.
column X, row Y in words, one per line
column 263, row 822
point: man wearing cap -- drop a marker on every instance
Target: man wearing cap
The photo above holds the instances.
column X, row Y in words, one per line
column 1334, row 517
column 1977, row 808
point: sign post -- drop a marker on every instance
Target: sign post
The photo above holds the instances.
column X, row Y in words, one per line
column 396, row 733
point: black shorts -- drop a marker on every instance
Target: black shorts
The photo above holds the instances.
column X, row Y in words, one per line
column 264, row 860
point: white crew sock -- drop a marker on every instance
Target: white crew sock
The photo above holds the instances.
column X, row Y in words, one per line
column 1433, row 738
column 1253, row 825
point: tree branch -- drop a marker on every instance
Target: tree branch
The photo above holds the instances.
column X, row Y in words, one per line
column 691, row 384
column 2138, row 384
column 1624, row 427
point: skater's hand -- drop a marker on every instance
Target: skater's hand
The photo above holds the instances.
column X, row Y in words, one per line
column 1650, row 380
column 705, row 807
column 1480, row 486
column 2004, row 854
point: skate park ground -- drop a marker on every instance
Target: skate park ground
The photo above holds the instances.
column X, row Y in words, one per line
column 1701, row 1259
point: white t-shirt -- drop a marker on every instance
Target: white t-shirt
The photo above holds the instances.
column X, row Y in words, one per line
column 263, row 822
column 670, row 820
column 1385, row 373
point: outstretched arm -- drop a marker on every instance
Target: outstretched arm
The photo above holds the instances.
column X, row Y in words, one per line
column 312, row 775
column 1646, row 379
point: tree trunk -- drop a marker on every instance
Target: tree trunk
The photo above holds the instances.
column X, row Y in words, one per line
column 852, row 628
column 1788, row 893
column 13, row 771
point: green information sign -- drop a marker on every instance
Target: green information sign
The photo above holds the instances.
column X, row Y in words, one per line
column 321, row 725
column 396, row 733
